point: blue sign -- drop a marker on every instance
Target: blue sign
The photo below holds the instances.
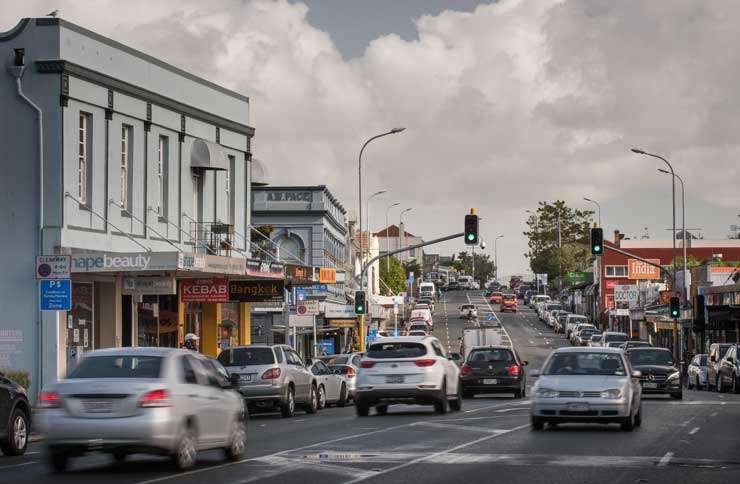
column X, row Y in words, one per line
column 372, row 335
column 55, row 295
column 490, row 317
column 326, row 346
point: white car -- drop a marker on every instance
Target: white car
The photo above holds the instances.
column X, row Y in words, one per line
column 468, row 311
column 419, row 326
column 574, row 334
column 586, row 385
column 332, row 387
column 407, row 370
column 572, row 321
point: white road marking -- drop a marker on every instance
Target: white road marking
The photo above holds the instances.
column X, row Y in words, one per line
column 694, row 430
column 713, row 414
column 687, row 422
column 665, row 459
column 19, row 465
column 458, row 427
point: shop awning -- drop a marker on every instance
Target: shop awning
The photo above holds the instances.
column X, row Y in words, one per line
column 592, row 289
column 205, row 155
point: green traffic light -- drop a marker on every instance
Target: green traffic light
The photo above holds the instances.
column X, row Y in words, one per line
column 597, row 248
column 471, row 236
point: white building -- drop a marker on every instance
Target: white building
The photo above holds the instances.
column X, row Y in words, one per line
column 389, row 239
column 145, row 184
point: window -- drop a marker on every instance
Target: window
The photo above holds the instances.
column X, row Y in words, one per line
column 118, row 366
column 247, row 357
column 83, row 158
column 187, row 371
column 279, row 355
column 126, row 149
column 230, row 190
column 616, row 271
column 163, row 161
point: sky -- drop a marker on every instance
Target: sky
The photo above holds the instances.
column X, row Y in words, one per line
column 504, row 103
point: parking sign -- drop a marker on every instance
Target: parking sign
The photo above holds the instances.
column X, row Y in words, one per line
column 55, row 294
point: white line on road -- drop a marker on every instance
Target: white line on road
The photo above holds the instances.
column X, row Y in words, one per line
column 665, row 459
column 694, row 430
column 713, row 414
column 19, row 465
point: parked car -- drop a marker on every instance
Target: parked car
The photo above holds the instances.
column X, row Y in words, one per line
column 583, row 385
column 528, row 295
column 453, row 286
column 153, row 400
column 493, row 369
column 546, row 310
column 468, row 311
column 406, row 370
column 577, row 329
column 660, row 375
column 551, row 317
column 418, row 326
column 428, row 301
column 613, row 337
column 349, row 374
column 559, row 326
column 635, row 344
column 496, row 297
column 509, row 303
column 15, row 417
column 572, row 321
column 583, row 336
column 332, row 387
column 271, row 378
column 352, row 359
column 535, row 300
column 696, row 373
column 717, row 351
column 729, row 371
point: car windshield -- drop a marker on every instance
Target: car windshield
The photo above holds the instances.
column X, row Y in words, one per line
column 396, row 350
column 468, row 306
column 550, row 307
column 491, row 355
column 118, row 366
column 585, row 364
column 651, row 357
column 247, row 357
column 586, row 333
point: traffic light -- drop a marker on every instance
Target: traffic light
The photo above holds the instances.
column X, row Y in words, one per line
column 471, row 229
column 675, row 306
column 360, row 302
column 597, row 241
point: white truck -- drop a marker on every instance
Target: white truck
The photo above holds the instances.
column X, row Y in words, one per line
column 475, row 337
column 427, row 289
column 466, row 282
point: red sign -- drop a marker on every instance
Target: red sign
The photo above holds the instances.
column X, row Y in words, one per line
column 213, row 289
column 611, row 284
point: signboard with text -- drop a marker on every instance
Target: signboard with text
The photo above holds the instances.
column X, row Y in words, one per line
column 265, row 269
column 149, row 285
column 327, row 275
column 637, row 269
column 627, row 294
column 256, row 291
column 308, row 308
column 299, row 275
column 53, row 266
column 339, row 311
column 576, row 277
column 300, row 321
column 55, row 295
column 211, row 289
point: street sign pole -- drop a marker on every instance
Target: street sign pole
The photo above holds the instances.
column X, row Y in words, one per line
column 315, row 340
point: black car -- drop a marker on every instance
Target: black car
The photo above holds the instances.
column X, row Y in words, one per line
column 493, row 369
column 729, row 371
column 659, row 372
column 15, row 417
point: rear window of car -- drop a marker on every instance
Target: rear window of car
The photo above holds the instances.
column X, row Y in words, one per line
column 491, row 355
column 468, row 306
column 396, row 350
column 344, row 369
column 119, row 366
column 509, row 297
column 615, row 337
column 650, row 357
column 550, row 307
column 247, row 357
column 336, row 360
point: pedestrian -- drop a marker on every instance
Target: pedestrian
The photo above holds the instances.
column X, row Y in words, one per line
column 191, row 341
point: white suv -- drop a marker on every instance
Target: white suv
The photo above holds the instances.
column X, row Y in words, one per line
column 407, row 370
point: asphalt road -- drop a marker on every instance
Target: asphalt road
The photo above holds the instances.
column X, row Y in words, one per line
column 696, row 440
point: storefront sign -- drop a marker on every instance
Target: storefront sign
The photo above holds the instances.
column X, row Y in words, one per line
column 53, row 267
column 124, row 262
column 149, row 285
column 191, row 261
column 224, row 265
column 317, row 290
column 576, row 277
column 256, row 291
column 299, row 275
column 265, row 269
column 300, row 321
column 343, row 323
column 55, row 295
column 611, row 284
column 286, row 196
column 637, row 269
column 626, row 294
column 308, row 308
column 622, row 312
column 327, row 275
column 213, row 289
column 339, row 311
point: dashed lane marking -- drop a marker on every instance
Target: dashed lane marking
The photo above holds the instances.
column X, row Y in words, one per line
column 694, row 430
column 666, row 459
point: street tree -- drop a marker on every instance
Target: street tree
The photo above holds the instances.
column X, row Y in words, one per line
column 393, row 274
column 484, row 267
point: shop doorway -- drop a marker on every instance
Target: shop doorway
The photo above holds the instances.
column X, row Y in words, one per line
column 156, row 318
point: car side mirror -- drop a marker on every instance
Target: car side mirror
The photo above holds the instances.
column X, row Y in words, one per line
column 534, row 373
column 636, row 374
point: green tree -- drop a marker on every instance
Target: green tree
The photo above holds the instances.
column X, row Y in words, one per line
column 484, row 267
column 545, row 253
column 412, row 266
column 392, row 273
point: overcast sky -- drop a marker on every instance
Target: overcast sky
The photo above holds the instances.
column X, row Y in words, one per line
column 505, row 104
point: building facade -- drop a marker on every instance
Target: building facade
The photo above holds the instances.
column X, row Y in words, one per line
column 388, row 239
column 136, row 170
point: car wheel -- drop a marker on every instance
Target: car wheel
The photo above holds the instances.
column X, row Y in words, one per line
column 362, row 409
column 17, row 434
column 287, row 409
column 689, row 385
column 322, row 398
column 313, row 402
column 442, row 406
column 538, row 423
column 629, row 423
column 638, row 417
column 186, row 452
column 59, row 461
column 237, row 440
column 381, row 409
column 517, row 394
column 735, row 386
column 456, row 404
column 343, row 396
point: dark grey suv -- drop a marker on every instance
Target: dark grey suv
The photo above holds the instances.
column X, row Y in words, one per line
column 272, row 377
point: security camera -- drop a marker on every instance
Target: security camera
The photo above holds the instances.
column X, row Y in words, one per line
column 482, row 245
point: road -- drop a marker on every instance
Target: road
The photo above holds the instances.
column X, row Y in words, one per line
column 696, row 440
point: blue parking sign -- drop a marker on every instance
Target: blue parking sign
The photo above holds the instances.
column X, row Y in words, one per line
column 55, row 295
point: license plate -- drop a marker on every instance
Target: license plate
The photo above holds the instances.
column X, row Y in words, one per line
column 394, row 379
column 649, row 384
column 490, row 381
column 578, row 407
column 98, row 406
column 246, row 378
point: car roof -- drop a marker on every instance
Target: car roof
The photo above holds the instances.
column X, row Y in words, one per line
column 587, row 349
column 647, row 348
column 491, row 347
column 139, row 350
column 406, row 339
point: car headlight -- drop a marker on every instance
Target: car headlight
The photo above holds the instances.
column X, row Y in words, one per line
column 612, row 393
column 546, row 393
column 674, row 376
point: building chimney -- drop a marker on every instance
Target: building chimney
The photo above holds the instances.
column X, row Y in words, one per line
column 618, row 236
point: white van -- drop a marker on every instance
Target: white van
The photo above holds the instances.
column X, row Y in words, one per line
column 427, row 289
column 466, row 282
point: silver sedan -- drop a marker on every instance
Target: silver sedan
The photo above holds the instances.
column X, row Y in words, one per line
column 142, row 400
column 586, row 385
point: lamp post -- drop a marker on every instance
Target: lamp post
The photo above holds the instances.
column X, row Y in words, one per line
column 400, row 222
column 367, row 226
column 673, row 263
column 387, row 241
column 683, row 230
column 597, row 206
column 495, row 257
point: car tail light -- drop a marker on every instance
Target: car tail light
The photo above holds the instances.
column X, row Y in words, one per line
column 367, row 364
column 155, row 399
column 425, row 362
column 271, row 374
column 466, row 370
column 350, row 372
column 513, row 370
column 49, row 400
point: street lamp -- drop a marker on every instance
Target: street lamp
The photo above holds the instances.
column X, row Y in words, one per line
column 683, row 229
column 495, row 257
column 400, row 222
column 597, row 205
column 387, row 242
column 368, row 237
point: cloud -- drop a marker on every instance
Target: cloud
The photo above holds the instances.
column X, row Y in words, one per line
column 515, row 102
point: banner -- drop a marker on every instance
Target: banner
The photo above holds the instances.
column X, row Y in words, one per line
column 298, row 275
column 626, row 294
column 212, row 289
column 266, row 269
column 256, row 291
column 327, row 275
column 637, row 269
